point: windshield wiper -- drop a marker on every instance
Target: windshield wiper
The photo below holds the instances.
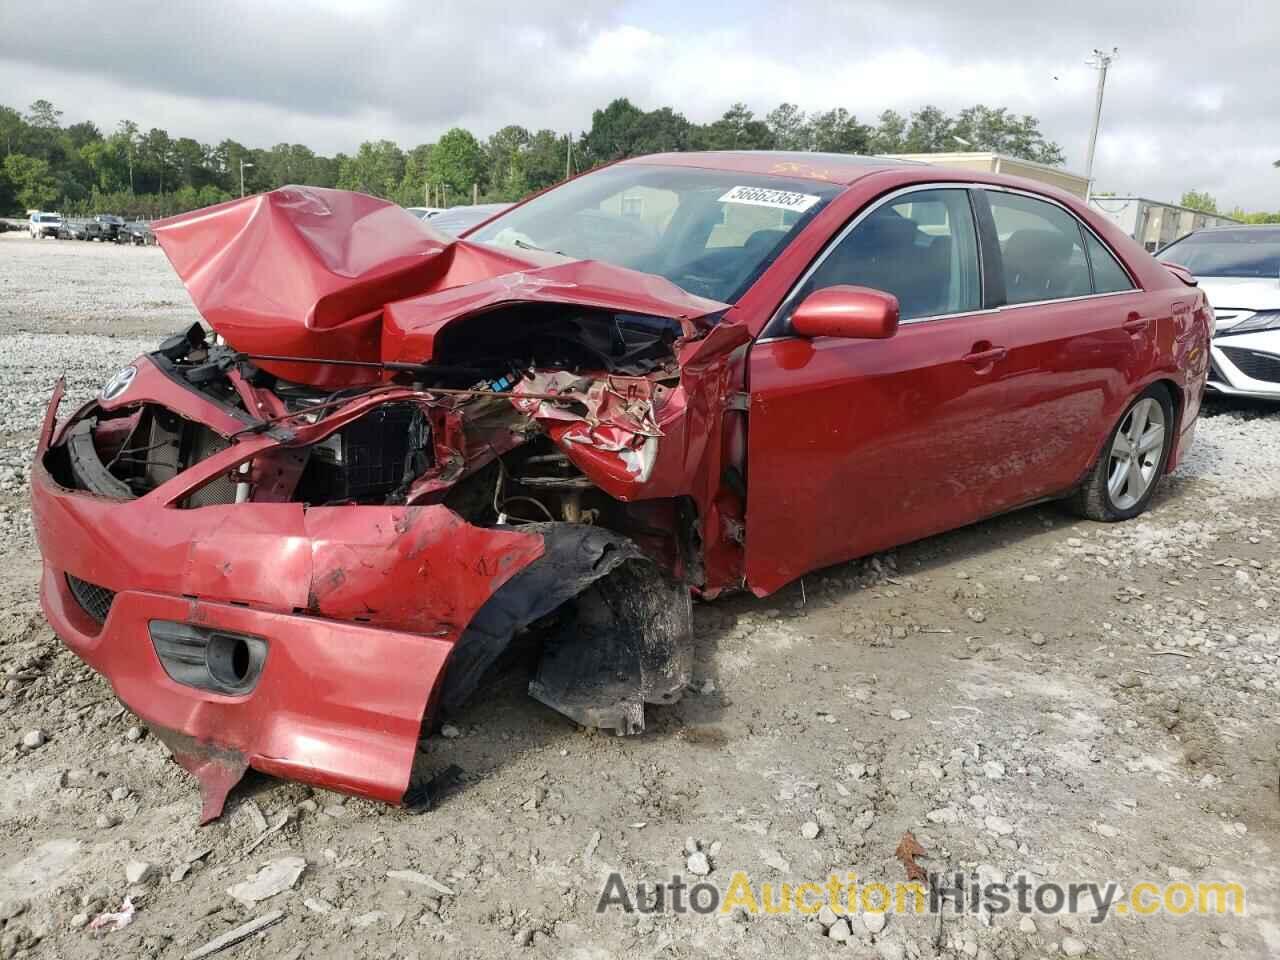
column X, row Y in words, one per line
column 526, row 245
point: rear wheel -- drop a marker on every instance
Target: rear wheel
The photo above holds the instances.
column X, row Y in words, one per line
column 1124, row 479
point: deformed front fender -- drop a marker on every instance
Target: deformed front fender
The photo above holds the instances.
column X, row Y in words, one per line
column 627, row 641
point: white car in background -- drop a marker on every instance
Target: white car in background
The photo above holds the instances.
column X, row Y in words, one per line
column 458, row 220
column 1238, row 268
column 41, row 225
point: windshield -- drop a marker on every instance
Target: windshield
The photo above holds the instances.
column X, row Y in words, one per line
column 1227, row 253
column 49, row 218
column 710, row 232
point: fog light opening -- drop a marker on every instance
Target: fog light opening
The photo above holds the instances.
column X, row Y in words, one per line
column 240, row 660
column 234, row 661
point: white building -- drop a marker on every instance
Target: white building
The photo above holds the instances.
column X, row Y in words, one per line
column 1152, row 223
column 998, row 163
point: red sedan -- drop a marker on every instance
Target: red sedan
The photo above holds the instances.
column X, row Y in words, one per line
column 294, row 540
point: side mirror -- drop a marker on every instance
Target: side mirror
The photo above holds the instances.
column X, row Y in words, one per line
column 853, row 313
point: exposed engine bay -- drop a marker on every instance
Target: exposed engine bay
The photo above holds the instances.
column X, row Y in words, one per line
column 478, row 449
column 444, row 454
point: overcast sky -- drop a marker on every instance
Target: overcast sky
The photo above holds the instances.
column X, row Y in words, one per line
column 1193, row 100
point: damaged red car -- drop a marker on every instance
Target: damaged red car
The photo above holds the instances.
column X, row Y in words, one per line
column 295, row 537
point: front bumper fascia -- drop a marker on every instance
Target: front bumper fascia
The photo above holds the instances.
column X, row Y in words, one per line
column 360, row 607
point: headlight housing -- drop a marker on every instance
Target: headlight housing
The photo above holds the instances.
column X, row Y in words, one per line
column 1263, row 320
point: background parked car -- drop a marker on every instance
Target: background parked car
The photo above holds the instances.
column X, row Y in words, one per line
column 458, row 220
column 1238, row 268
column 425, row 213
column 105, row 226
column 43, row 225
column 137, row 233
column 73, row 230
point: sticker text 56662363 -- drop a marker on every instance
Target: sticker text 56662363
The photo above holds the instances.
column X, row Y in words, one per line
column 765, row 197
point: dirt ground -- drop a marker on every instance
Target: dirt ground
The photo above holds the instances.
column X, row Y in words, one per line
column 1033, row 695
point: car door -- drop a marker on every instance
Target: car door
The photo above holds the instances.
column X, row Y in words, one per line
column 856, row 446
column 1076, row 338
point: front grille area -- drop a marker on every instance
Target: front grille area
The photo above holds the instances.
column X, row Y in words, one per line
column 1259, row 366
column 95, row 600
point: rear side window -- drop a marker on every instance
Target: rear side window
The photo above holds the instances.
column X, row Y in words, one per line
column 921, row 247
column 1043, row 253
column 1108, row 275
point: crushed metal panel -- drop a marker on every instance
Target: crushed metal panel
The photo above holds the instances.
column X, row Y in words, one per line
column 346, row 256
column 626, row 641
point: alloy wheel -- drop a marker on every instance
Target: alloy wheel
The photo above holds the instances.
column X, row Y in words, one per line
column 1136, row 453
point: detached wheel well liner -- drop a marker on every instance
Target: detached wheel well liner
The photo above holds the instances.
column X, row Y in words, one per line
column 638, row 630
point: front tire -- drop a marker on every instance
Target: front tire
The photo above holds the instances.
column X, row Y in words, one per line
column 1124, row 479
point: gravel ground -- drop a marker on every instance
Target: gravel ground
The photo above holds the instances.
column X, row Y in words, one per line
column 1032, row 695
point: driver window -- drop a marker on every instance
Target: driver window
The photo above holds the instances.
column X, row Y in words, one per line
column 921, row 247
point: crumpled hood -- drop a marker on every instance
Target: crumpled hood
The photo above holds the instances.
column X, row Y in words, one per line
column 306, row 271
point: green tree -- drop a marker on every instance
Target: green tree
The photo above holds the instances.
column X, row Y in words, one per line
column 662, row 131
column 930, row 131
column 1199, row 201
column 416, row 184
column 156, row 152
column 32, row 185
column 42, row 129
column 79, row 134
column 790, row 127
column 457, row 162
column 504, row 154
column 614, row 132
column 738, row 129
column 190, row 162
column 11, row 129
column 44, row 115
column 127, row 134
column 377, row 169
column 225, row 160
column 999, row 131
column 838, row 131
column 544, row 160
column 890, row 134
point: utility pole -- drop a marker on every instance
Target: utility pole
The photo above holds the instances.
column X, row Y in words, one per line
column 1099, row 61
column 242, row 166
column 568, row 155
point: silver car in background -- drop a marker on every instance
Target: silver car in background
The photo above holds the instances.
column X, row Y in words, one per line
column 1238, row 268
column 456, row 221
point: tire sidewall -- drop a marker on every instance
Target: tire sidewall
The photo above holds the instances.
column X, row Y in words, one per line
column 1161, row 395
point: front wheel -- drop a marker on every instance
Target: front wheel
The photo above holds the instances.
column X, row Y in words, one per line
column 1124, row 478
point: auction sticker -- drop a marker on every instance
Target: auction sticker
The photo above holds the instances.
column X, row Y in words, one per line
column 764, row 197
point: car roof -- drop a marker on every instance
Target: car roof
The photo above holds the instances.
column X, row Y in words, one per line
column 831, row 167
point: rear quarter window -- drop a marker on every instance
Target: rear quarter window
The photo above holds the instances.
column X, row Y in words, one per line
column 1108, row 275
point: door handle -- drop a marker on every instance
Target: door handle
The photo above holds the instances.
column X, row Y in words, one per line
column 1135, row 323
column 982, row 358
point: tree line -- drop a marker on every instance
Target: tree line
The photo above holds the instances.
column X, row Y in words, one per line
column 1199, row 200
column 78, row 169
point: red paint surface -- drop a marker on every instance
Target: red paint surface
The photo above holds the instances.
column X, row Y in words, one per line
column 305, row 271
column 856, row 446
column 340, row 703
column 846, row 447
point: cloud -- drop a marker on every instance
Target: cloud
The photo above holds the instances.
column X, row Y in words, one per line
column 1191, row 101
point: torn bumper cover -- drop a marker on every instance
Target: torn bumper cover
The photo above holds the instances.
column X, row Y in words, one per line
column 294, row 576
column 337, row 703
column 144, row 595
